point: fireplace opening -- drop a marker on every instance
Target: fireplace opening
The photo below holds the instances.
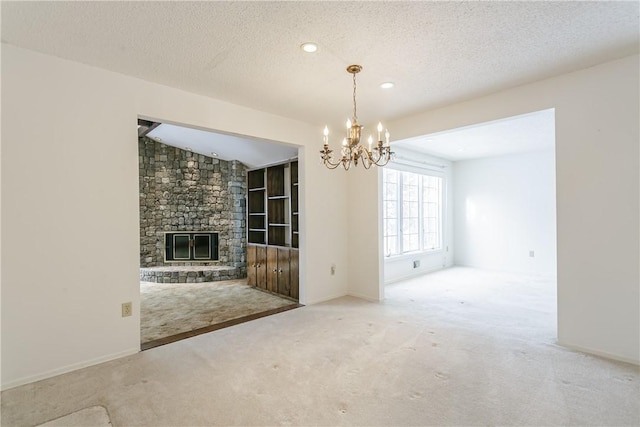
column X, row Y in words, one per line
column 191, row 246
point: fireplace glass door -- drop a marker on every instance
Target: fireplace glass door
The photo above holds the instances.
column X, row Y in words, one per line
column 191, row 246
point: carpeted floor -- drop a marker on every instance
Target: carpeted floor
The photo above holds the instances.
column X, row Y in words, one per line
column 168, row 309
column 96, row 416
column 458, row 347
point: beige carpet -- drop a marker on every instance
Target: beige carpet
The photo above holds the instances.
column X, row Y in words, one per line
column 458, row 347
column 168, row 309
column 96, row 416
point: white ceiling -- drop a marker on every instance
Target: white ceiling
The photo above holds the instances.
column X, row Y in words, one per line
column 519, row 134
column 248, row 53
column 252, row 152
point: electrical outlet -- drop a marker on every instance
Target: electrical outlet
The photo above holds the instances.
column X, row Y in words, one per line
column 416, row 263
column 127, row 309
column 532, row 254
column 333, row 269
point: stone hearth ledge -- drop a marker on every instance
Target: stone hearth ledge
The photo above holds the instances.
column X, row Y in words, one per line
column 189, row 273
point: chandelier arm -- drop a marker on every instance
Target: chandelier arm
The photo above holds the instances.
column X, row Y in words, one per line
column 330, row 165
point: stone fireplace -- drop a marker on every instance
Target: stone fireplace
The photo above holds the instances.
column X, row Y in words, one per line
column 192, row 213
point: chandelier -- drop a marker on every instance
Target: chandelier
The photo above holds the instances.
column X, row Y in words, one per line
column 352, row 152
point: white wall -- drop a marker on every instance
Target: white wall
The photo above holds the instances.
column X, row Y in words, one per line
column 365, row 265
column 401, row 267
column 77, row 218
column 597, row 157
column 506, row 207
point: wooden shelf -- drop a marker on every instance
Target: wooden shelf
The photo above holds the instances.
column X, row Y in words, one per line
column 272, row 205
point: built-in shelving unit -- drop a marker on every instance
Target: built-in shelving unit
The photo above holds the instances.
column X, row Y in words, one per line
column 272, row 205
column 273, row 228
column 256, row 203
column 295, row 231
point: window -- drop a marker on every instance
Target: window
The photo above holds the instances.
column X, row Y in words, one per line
column 411, row 212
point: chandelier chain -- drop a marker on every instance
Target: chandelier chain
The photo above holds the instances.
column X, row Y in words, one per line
column 355, row 115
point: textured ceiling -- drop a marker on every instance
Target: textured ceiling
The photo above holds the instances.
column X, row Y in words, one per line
column 248, row 52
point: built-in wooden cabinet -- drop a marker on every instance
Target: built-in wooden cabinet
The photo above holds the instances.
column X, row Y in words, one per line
column 274, row 269
column 273, row 229
column 294, row 274
column 257, row 265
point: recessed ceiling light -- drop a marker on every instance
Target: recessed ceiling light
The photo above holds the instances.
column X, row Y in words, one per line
column 309, row 47
column 214, row 154
column 188, row 148
column 387, row 85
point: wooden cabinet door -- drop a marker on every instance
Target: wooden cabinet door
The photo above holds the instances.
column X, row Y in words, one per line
column 272, row 269
column 284, row 283
column 261, row 267
column 294, row 274
column 252, row 262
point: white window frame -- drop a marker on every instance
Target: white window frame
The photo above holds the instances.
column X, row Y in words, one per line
column 399, row 212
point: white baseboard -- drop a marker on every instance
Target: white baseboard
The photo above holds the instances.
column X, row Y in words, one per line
column 325, row 299
column 414, row 274
column 363, row 297
column 68, row 368
column 599, row 353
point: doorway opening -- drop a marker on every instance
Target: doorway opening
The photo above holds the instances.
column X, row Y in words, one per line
column 495, row 212
column 194, row 226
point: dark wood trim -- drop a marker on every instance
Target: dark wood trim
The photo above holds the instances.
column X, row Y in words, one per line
column 226, row 324
column 146, row 126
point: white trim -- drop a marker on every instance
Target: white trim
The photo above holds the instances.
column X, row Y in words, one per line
column 413, row 274
column 407, row 255
column 599, row 353
column 404, row 163
column 68, row 368
column 325, row 299
column 363, row 297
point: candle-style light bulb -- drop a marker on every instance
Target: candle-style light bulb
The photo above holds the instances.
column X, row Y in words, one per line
column 370, row 140
column 344, row 142
column 348, row 123
column 386, row 135
column 379, row 130
column 326, row 135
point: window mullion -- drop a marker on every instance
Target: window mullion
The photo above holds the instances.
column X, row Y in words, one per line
column 420, row 213
column 400, row 213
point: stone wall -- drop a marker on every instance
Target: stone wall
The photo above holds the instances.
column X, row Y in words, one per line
column 184, row 191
